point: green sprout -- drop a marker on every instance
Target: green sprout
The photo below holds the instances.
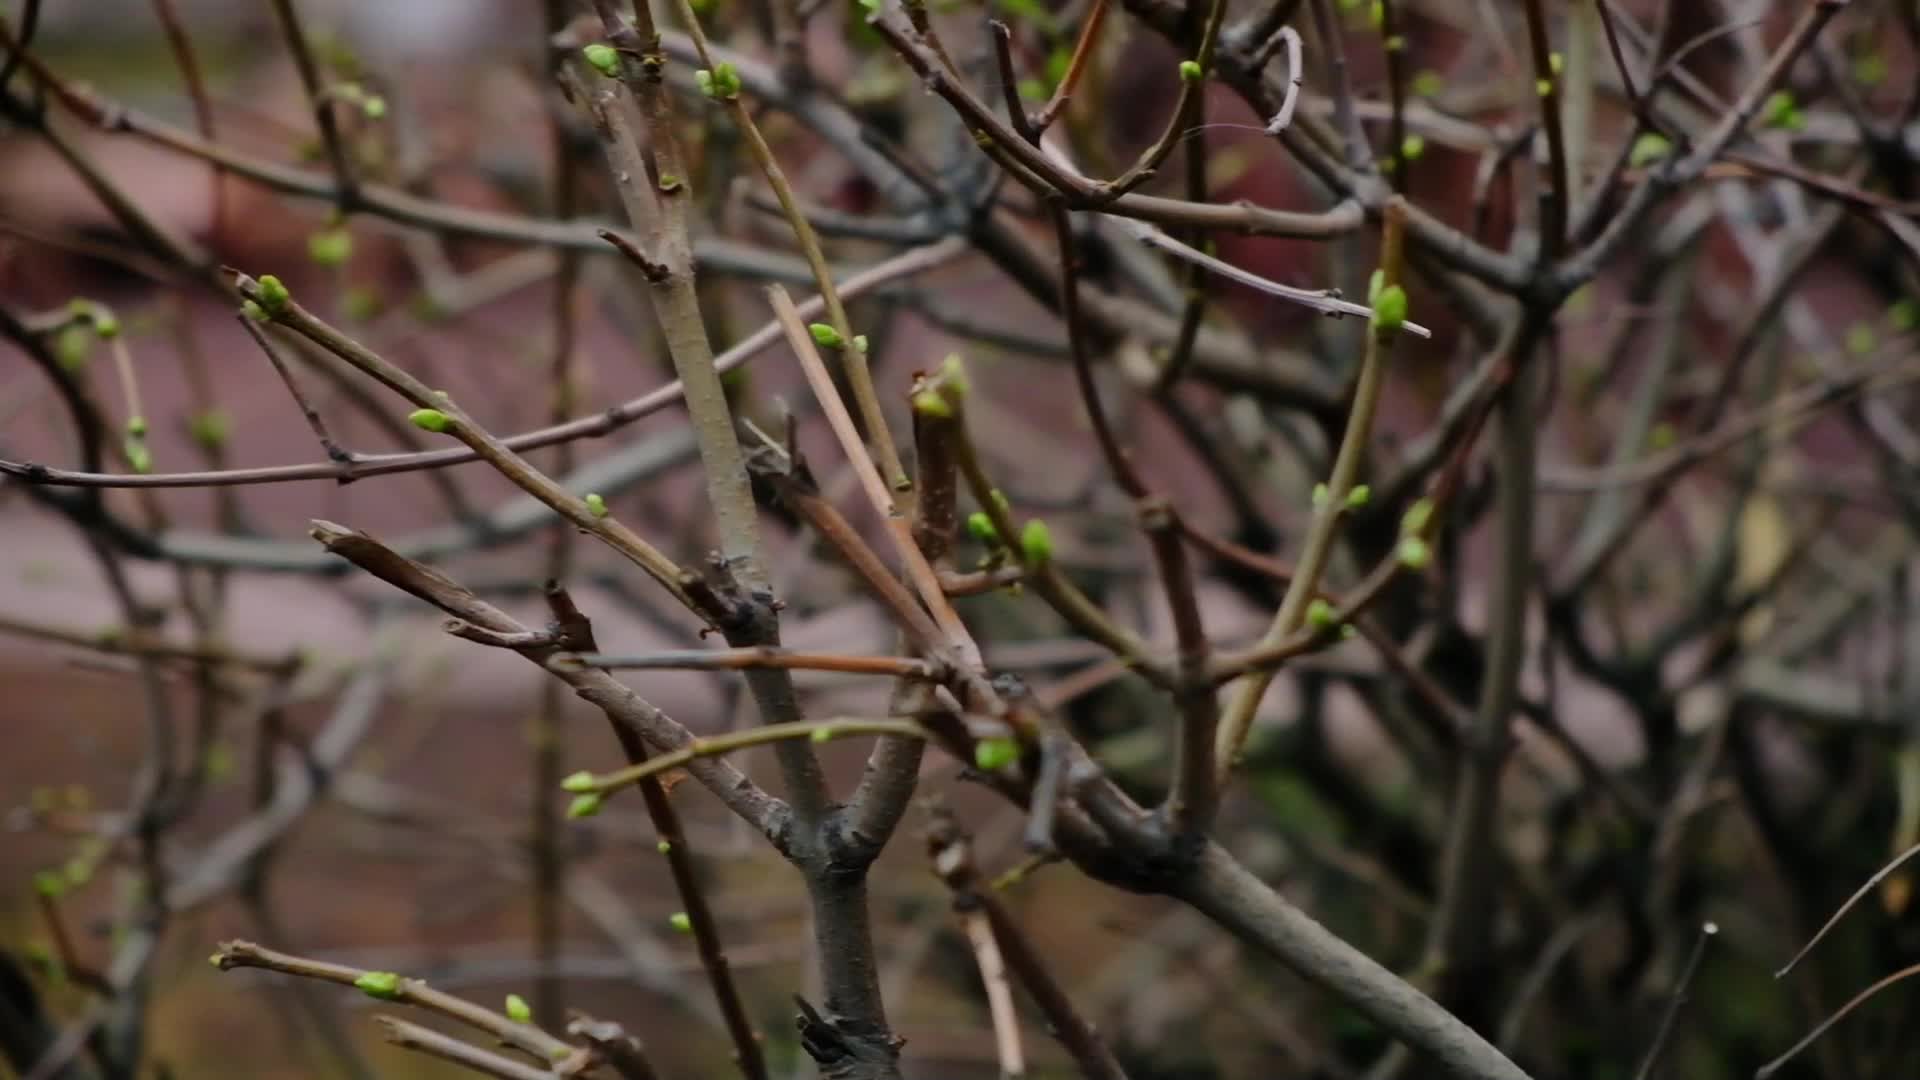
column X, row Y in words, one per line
column 603, row 59
column 1190, row 71
column 585, row 806
column 1649, row 148
column 826, row 336
column 596, row 504
column 579, row 783
column 1036, row 542
column 518, row 1010
column 430, row 420
column 992, row 755
column 1390, row 309
column 274, row 296
column 1413, row 553
column 680, row 921
column 383, row 985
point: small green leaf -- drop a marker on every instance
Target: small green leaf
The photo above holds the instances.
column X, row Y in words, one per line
column 1650, row 147
column 1861, row 339
column 1357, row 497
column 1320, row 614
column 1390, row 309
column 139, row 458
column 210, row 429
column 518, row 1010
column 1036, row 542
column 1781, row 111
column 330, row 247
column 726, row 79
column 73, row 347
column 980, row 527
column 826, row 336
column 992, row 755
column 430, row 420
column 384, row 985
column 596, row 504
column 679, row 921
column 1903, row 316
column 579, row 783
column 603, row 58
column 273, row 295
column 1413, row 553
column 1414, row 521
column 585, row 806
column 254, row 311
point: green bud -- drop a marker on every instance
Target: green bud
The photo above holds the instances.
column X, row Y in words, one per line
column 1543, row 87
column 585, row 806
column 273, row 295
column 1428, row 83
column 1376, row 14
column 679, row 921
column 106, row 324
column 210, row 429
column 1414, row 521
column 579, row 783
column 253, row 311
column 820, row 734
column 1780, row 110
column 1649, row 148
column 1903, row 316
column 139, row 458
column 1190, row 71
column 1861, row 339
column 1320, row 614
column 1556, row 63
column 1375, row 282
column 726, row 80
column 1661, row 436
column 603, row 58
column 663, row 847
column 330, row 247
column 826, row 336
column 1036, row 542
column 375, row 107
column 1414, row 554
column 518, row 1010
column 49, row 883
column 953, row 378
column 73, row 347
column 596, row 505
column 384, row 985
column 928, row 403
column 860, row 344
column 1320, row 496
column 980, row 527
column 992, row 755
column 1390, row 309
column 137, row 426
column 1412, row 147
column 430, row 420
column 1358, row 495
